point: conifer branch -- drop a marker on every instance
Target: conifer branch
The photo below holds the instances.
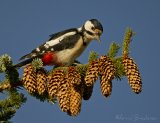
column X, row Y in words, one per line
column 9, row 105
column 126, row 41
column 113, row 50
column 80, row 78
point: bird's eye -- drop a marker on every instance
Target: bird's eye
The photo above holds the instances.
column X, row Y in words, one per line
column 93, row 28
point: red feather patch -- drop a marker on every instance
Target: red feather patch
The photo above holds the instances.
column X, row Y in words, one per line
column 49, row 58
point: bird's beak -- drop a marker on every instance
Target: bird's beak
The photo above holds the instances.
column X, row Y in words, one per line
column 98, row 34
column 98, row 38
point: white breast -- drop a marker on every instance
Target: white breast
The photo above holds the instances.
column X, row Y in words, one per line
column 68, row 56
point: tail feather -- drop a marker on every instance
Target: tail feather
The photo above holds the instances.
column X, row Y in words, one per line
column 29, row 58
column 23, row 63
column 23, row 57
column 30, row 55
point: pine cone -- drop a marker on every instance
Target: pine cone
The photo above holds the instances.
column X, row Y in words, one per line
column 54, row 80
column 29, row 79
column 106, row 85
column 107, row 72
column 92, row 73
column 75, row 100
column 105, row 63
column 41, row 81
column 132, row 74
column 87, row 92
column 63, row 94
column 73, row 76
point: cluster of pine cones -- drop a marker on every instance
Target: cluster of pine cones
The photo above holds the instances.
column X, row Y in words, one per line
column 70, row 86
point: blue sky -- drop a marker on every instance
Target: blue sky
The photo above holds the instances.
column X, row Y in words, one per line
column 26, row 24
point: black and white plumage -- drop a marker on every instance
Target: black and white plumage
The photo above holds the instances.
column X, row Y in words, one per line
column 64, row 47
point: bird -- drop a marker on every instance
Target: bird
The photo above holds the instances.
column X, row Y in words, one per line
column 62, row 48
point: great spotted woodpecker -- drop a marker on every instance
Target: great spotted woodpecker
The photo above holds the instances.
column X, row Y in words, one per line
column 64, row 47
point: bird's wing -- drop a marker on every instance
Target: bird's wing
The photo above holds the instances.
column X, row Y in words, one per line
column 58, row 34
column 57, row 42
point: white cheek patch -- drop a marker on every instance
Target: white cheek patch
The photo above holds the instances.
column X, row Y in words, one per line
column 57, row 40
column 88, row 25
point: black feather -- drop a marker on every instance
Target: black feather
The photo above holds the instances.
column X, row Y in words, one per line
column 25, row 56
column 58, row 34
column 23, row 63
column 97, row 24
column 67, row 43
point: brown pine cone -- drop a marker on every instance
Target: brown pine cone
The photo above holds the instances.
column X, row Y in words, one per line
column 29, row 79
column 87, row 92
column 132, row 74
column 64, row 94
column 92, row 73
column 106, row 85
column 75, row 100
column 41, row 81
column 54, row 80
column 107, row 73
column 73, row 76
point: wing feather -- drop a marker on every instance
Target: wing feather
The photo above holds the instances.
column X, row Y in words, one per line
column 57, row 42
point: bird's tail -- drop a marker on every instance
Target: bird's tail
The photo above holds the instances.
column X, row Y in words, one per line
column 23, row 63
column 27, row 56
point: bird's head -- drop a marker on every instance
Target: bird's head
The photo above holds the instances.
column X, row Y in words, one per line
column 93, row 29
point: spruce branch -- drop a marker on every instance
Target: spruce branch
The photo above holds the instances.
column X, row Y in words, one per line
column 9, row 105
column 119, row 69
column 113, row 50
column 126, row 41
column 5, row 62
column 53, row 83
column 6, row 85
column 92, row 56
